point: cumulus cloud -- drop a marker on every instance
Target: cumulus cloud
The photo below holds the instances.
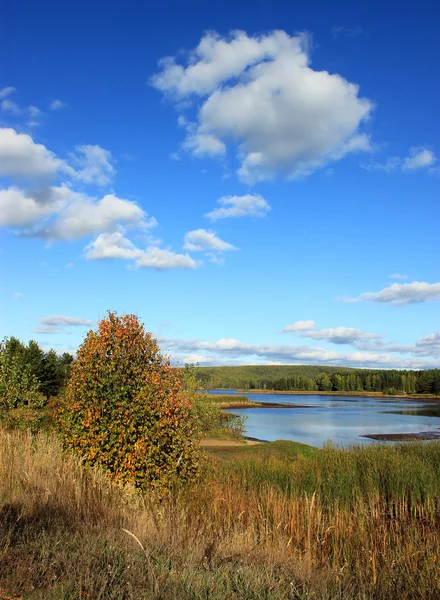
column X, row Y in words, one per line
column 112, row 245
column 336, row 335
column 261, row 95
column 93, row 164
column 201, row 240
column 117, row 246
column 162, row 259
column 59, row 213
column 21, row 209
column 400, row 294
column 20, row 156
column 250, row 205
column 58, row 323
column 204, row 144
column 419, row 158
column 85, row 216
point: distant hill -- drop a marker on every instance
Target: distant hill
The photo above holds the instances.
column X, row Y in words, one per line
column 320, row 378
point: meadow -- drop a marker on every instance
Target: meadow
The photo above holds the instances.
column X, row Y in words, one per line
column 273, row 521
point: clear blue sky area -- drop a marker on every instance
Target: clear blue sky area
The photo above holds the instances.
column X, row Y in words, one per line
column 257, row 181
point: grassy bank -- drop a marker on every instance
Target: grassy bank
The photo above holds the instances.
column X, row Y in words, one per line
column 275, row 521
column 229, row 400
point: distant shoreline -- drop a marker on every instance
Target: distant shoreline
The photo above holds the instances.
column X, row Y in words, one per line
column 418, row 397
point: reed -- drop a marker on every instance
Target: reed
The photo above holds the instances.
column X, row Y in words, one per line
column 352, row 524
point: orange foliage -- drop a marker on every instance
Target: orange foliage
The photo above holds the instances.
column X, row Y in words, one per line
column 125, row 408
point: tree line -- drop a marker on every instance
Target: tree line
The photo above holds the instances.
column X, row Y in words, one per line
column 321, row 379
column 27, row 371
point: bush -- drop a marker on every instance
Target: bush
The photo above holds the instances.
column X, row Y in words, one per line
column 125, row 408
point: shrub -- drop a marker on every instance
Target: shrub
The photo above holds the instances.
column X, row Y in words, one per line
column 125, row 408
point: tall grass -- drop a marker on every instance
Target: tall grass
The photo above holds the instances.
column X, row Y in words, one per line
column 338, row 524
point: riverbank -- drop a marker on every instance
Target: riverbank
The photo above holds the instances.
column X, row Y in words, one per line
column 230, row 401
column 421, row 397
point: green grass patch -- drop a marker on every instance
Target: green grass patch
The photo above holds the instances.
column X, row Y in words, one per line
column 281, row 449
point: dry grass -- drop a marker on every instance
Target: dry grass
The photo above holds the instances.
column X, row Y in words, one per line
column 244, row 533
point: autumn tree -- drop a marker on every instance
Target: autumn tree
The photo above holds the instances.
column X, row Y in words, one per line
column 126, row 409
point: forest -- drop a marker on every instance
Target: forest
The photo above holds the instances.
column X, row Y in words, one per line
column 321, row 379
column 29, row 367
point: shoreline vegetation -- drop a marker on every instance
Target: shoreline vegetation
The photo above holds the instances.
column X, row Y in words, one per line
column 421, row 397
column 322, row 379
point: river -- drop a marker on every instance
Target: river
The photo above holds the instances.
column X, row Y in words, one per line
column 343, row 420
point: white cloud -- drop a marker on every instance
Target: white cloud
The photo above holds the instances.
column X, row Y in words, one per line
column 400, row 294
column 201, row 240
column 299, row 326
column 391, row 164
column 160, row 259
column 34, row 111
column 420, row 158
column 234, row 348
column 17, row 296
column 7, row 91
column 9, row 106
column 224, row 350
column 117, row 246
column 19, row 209
column 193, row 359
column 250, row 205
column 430, row 343
column 401, row 276
column 204, row 144
column 57, row 323
column 20, row 156
column 336, row 335
column 112, row 245
column 261, row 94
column 85, row 216
column 93, row 164
column 59, row 213
column 56, row 105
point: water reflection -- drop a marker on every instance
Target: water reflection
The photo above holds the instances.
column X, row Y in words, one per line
column 315, row 419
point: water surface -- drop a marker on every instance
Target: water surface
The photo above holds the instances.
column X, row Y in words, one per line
column 339, row 419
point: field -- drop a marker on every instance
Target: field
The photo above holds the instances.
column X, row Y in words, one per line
column 273, row 521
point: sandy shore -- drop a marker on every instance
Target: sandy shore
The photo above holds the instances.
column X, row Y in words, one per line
column 214, row 442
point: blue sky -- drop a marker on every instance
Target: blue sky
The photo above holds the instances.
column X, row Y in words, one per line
column 258, row 181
